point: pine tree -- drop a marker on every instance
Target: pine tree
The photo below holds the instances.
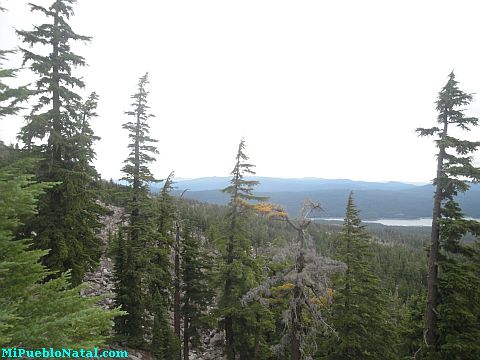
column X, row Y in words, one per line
column 119, row 274
column 165, row 345
column 359, row 303
column 35, row 313
column 140, row 232
column 237, row 272
column 196, row 265
column 55, row 79
column 453, row 306
column 410, row 329
column 60, row 224
column 159, row 277
column 84, row 138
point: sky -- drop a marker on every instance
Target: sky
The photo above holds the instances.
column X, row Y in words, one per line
column 329, row 89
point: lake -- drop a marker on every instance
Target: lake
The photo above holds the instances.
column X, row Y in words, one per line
column 393, row 222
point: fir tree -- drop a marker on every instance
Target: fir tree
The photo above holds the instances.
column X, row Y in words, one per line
column 453, row 310
column 159, row 278
column 140, row 232
column 359, row 304
column 84, row 138
column 119, row 275
column 195, row 267
column 410, row 327
column 60, row 224
column 165, row 345
column 237, row 257
column 35, row 313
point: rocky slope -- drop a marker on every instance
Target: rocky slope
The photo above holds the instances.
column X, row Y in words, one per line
column 100, row 283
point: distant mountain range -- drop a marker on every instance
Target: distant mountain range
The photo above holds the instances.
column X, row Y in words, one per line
column 374, row 199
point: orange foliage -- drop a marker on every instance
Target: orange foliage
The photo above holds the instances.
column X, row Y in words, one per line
column 269, row 210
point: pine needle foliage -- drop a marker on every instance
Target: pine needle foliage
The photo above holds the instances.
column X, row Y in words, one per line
column 10, row 98
column 136, row 170
column 237, row 265
column 158, row 275
column 35, row 313
column 453, row 299
column 57, row 130
column 165, row 345
column 141, row 232
column 359, row 308
column 196, row 265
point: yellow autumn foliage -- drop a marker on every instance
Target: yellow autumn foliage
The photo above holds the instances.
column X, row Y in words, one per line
column 269, row 210
column 330, row 292
column 322, row 301
column 283, row 287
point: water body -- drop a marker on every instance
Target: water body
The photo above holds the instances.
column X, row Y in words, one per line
column 402, row 222
column 393, row 222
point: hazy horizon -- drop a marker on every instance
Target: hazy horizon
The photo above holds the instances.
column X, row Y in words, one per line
column 318, row 89
column 299, row 178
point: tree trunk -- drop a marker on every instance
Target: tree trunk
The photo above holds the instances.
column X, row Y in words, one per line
column 256, row 354
column 244, row 348
column 432, row 280
column 185, row 338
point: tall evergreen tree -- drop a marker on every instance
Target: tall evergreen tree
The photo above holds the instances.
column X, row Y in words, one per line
column 359, row 309
column 165, row 345
column 453, row 307
column 237, row 272
column 60, row 224
column 170, row 222
column 196, row 265
column 159, row 274
column 35, row 313
column 140, row 232
column 119, row 275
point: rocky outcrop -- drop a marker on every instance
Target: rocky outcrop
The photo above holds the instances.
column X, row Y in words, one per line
column 213, row 344
column 100, row 281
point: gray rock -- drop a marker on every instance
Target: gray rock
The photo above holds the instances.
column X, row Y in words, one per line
column 217, row 339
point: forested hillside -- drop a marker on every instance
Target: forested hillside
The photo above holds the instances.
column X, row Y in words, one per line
column 392, row 200
column 216, row 268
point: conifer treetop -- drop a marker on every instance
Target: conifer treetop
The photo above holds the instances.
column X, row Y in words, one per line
column 136, row 165
column 55, row 79
column 456, row 153
column 241, row 190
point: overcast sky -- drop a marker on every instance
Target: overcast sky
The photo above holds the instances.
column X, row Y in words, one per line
column 330, row 89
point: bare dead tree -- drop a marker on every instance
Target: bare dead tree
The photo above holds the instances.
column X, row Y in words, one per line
column 310, row 292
